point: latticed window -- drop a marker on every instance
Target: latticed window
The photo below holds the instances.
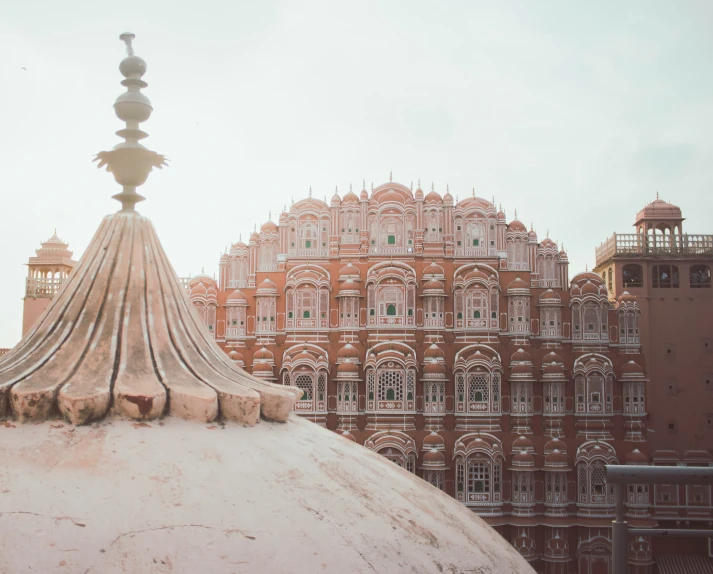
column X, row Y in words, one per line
column 477, row 480
column 593, row 488
column 477, row 309
column 391, row 385
column 554, row 397
column 350, row 226
column 267, row 257
column 551, row 322
column 478, row 477
column 407, row 462
column 433, row 312
column 306, row 384
column 435, row 478
column 349, row 312
column 522, row 488
column 238, row 272
column 434, row 397
column 592, row 395
column 634, row 398
column 519, row 314
column 460, row 392
column 628, row 328
column 371, row 389
column 555, row 488
column 477, row 389
column 347, row 396
column 521, row 398
column 265, row 320
column 517, row 254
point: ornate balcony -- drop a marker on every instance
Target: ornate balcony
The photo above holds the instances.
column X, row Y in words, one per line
column 627, row 244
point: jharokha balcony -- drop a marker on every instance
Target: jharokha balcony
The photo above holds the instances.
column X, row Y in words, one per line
column 639, row 244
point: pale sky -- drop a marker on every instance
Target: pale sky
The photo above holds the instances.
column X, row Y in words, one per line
column 573, row 113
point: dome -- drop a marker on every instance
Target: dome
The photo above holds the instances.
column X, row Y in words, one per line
column 261, row 367
column 555, row 444
column 501, row 216
column 631, row 369
column 433, row 285
column 659, row 210
column 348, row 351
column 523, row 461
column 521, row 371
column 550, row 297
column 556, row 459
column 517, row 285
column 336, row 201
column 434, row 370
column 237, row 298
column 433, row 441
column 626, row 297
column 434, row 460
column 448, row 198
column 587, row 276
column 532, row 234
column 521, row 356
column 269, row 226
column 552, row 370
column 266, row 287
column 236, row 356
column 264, row 354
column 522, row 443
column 477, row 274
column 364, row 195
column 302, row 357
column 636, row 457
column 552, row 357
column 517, row 225
column 547, row 242
column 590, row 289
column 238, row 518
column 350, row 197
column 198, row 290
column 348, row 288
column 433, row 271
column 349, row 270
column 433, row 196
column 347, row 368
column 433, row 352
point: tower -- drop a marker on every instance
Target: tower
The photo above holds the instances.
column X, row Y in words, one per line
column 46, row 272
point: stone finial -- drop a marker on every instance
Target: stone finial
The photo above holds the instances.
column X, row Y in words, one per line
column 310, row 191
column 391, row 176
column 130, row 162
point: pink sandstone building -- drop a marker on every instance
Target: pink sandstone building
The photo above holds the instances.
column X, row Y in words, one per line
column 455, row 344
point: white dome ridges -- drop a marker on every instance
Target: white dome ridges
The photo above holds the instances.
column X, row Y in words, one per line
column 522, row 444
column 636, row 457
column 525, row 545
column 348, row 352
column 550, row 298
column 588, row 285
column 523, row 460
column 266, row 288
column 518, row 287
column 555, row 444
column 434, row 352
column 632, row 371
column 140, row 368
column 434, row 371
column 433, row 271
column 349, row 273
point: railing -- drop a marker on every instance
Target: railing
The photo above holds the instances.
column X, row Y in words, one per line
column 396, row 250
column 546, row 283
column 42, row 287
column 309, row 252
column 640, row 244
column 620, row 476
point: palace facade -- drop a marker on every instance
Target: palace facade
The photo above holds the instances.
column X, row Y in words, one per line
column 456, row 344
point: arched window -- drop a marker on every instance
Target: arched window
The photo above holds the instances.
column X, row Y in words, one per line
column 477, row 392
column 314, row 387
column 632, row 275
column 478, row 480
column 391, row 310
column 664, row 276
column 700, row 276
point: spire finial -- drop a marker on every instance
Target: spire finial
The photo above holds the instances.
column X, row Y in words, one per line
column 240, row 237
column 372, row 187
column 363, row 184
column 515, row 213
column 547, row 233
column 473, row 191
column 391, row 176
column 350, row 187
column 310, row 191
column 419, row 182
column 269, row 215
column 433, row 186
column 130, row 162
column 657, row 194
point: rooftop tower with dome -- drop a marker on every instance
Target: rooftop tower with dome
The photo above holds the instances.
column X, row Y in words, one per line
column 175, row 473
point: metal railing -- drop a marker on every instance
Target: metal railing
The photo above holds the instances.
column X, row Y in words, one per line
column 643, row 244
column 622, row 475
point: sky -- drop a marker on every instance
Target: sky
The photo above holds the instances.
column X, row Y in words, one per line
column 576, row 114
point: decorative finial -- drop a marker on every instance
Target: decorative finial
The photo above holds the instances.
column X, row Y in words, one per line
column 515, row 213
column 372, row 187
column 586, row 266
column 130, row 162
column 657, row 194
column 419, row 182
column 269, row 215
column 391, row 178
column 473, row 191
column 363, row 184
column 433, row 186
column 240, row 237
column 493, row 201
column 310, row 191
column 547, row 233
column 411, row 188
column 350, row 187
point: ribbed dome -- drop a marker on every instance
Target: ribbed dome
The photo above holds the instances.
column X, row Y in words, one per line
column 516, row 225
column 348, row 351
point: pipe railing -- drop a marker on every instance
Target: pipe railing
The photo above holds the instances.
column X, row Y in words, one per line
column 620, row 476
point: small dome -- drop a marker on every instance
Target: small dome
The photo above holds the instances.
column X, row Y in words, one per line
column 348, row 351
column 434, row 369
column 434, row 440
column 552, row 370
column 267, row 287
column 555, row 444
column 434, row 457
column 433, row 196
column 432, row 270
column 448, row 198
column 269, row 226
column 501, row 216
column 237, row 297
column 364, row 195
column 636, row 457
column 632, row 369
column 521, row 356
column 521, row 371
column 547, row 242
column 590, row 289
column 336, row 201
column 350, row 197
column 517, row 284
column 433, row 285
column 434, row 352
column 477, row 274
column 264, row 354
column 517, row 225
column 522, row 443
column 552, row 357
column 523, row 460
column 198, row 290
column 532, row 234
column 349, row 270
column 556, row 458
column 626, row 297
column 347, row 368
column 550, row 296
column 303, row 356
column 659, row 210
column 348, row 287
